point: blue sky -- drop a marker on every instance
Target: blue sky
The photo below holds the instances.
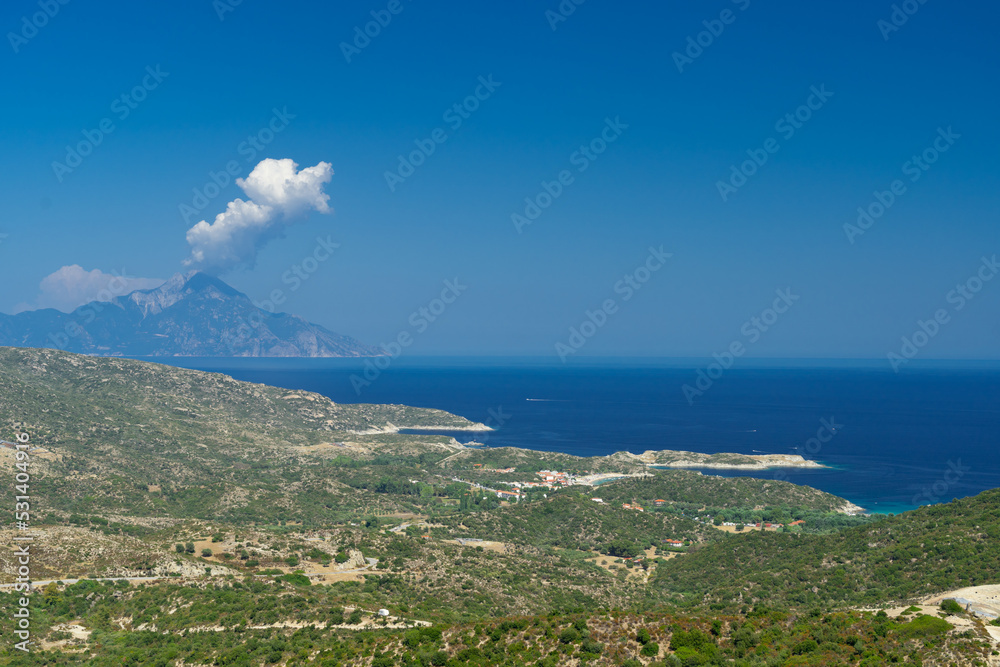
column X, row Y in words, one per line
column 887, row 95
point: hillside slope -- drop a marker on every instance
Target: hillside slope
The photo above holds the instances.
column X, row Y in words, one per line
column 115, row 428
column 928, row 550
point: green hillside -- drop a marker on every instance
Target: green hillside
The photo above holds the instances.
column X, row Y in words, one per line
column 262, row 526
column 931, row 549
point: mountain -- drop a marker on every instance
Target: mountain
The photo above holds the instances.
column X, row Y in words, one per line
column 190, row 315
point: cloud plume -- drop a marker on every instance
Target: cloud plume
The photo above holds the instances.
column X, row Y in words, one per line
column 278, row 194
column 73, row 286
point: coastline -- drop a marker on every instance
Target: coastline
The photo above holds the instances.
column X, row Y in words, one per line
column 389, row 429
column 720, row 461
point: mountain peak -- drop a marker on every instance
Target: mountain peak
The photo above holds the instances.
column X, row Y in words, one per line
column 199, row 280
column 180, row 285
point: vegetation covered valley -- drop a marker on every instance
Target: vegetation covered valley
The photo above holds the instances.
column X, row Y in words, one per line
column 184, row 518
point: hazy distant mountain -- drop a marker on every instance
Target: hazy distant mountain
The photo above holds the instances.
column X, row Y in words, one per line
column 190, row 315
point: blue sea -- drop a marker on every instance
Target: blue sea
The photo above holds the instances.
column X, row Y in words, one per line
column 892, row 441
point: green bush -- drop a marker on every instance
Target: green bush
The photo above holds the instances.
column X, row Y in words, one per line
column 569, row 635
column 296, row 579
column 951, row 606
column 925, row 626
column 650, row 650
column 411, row 638
column 805, row 646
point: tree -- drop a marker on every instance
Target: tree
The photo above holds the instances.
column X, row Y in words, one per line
column 189, row 547
column 717, row 520
column 206, row 552
column 179, row 548
column 355, row 617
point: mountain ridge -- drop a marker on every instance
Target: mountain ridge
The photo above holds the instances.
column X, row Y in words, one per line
column 192, row 314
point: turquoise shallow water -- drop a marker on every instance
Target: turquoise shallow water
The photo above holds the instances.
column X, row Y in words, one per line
column 894, row 441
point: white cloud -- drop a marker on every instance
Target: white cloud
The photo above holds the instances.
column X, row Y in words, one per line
column 73, row 286
column 278, row 194
column 274, row 183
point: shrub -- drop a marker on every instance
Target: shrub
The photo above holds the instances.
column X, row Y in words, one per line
column 642, row 636
column 805, row 646
column 296, row 579
column 650, row 650
column 411, row 638
column 206, row 552
column 924, row 626
column 951, row 606
column 569, row 635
